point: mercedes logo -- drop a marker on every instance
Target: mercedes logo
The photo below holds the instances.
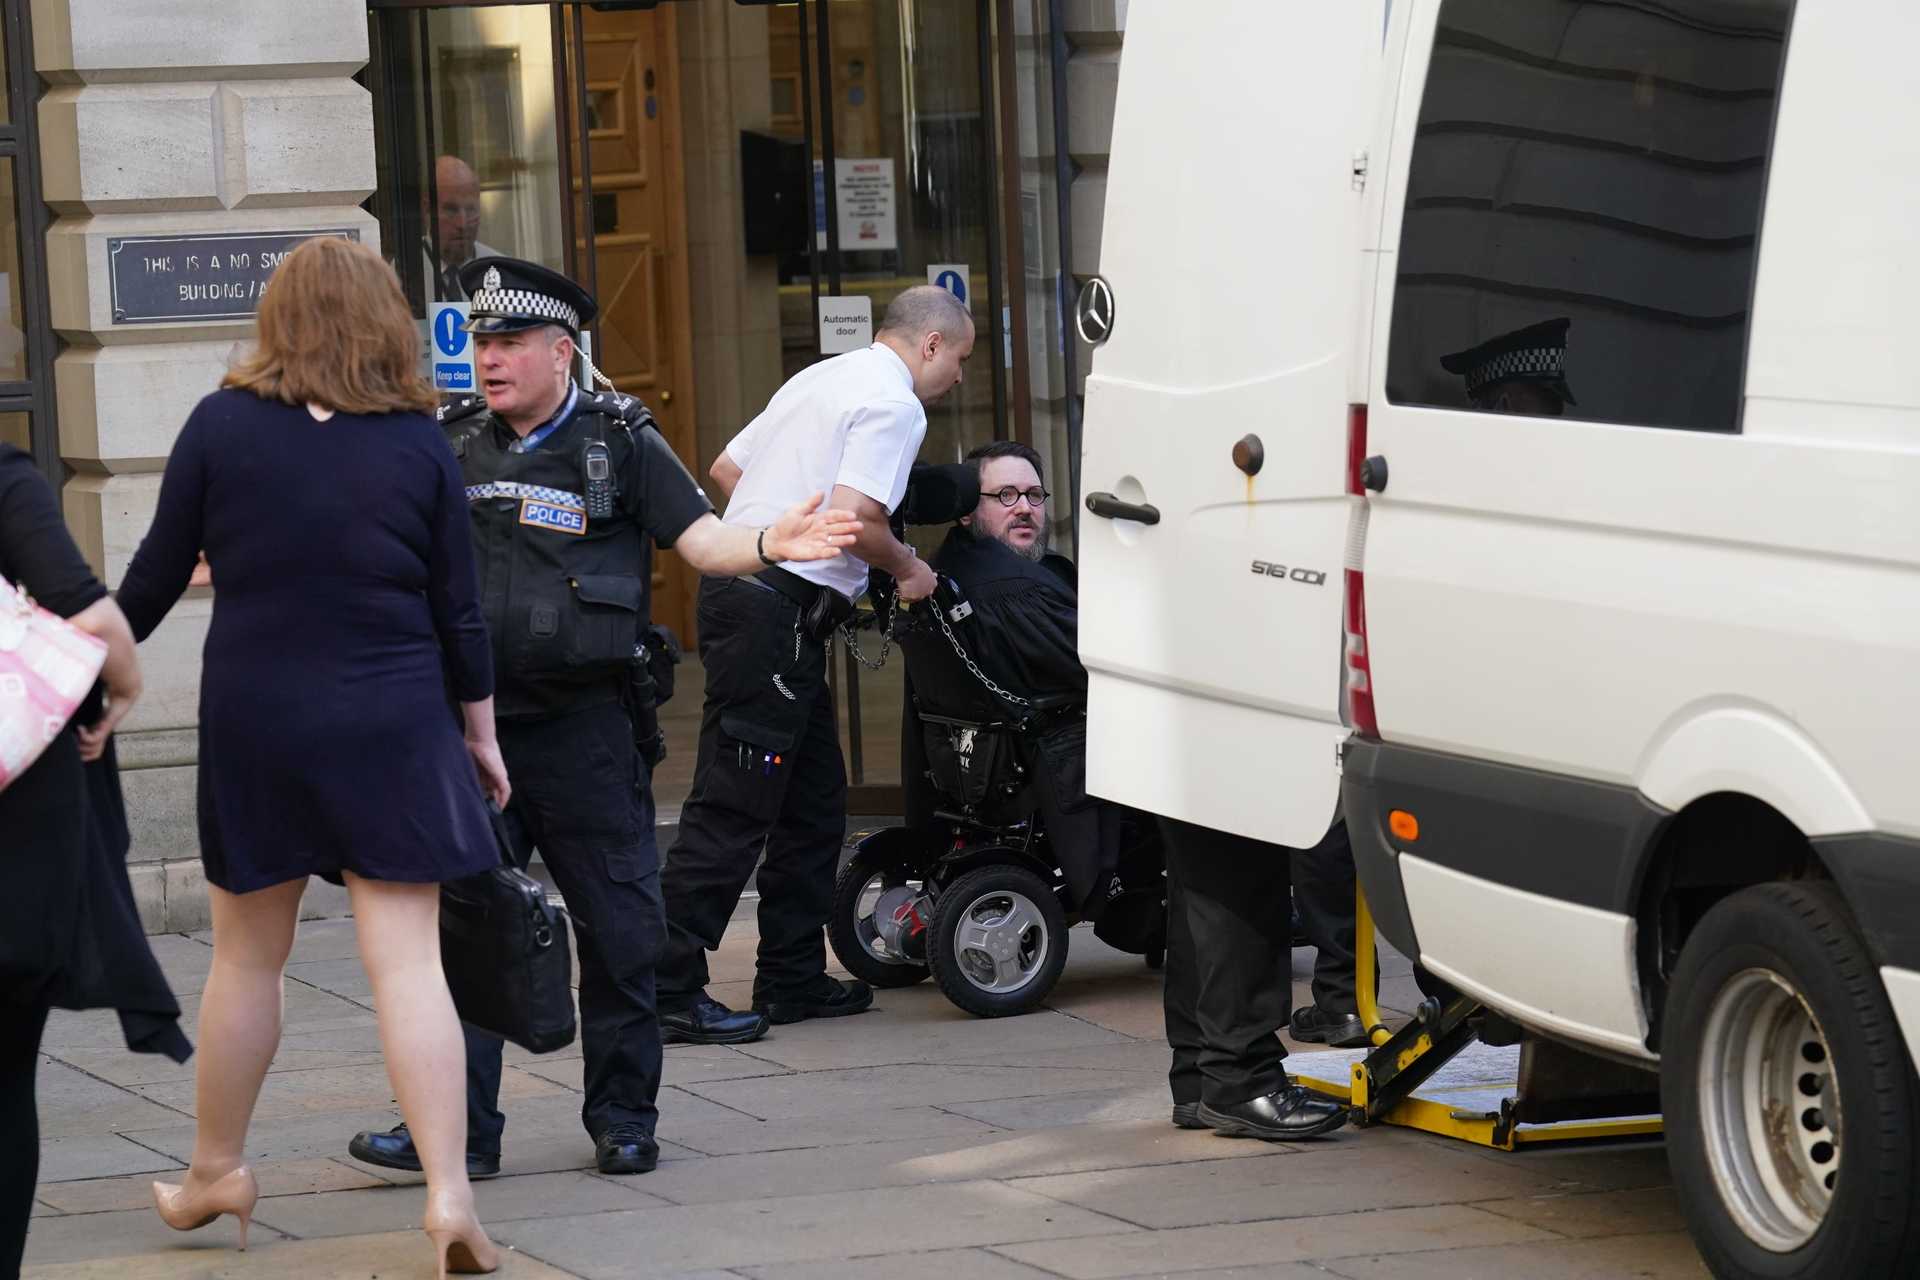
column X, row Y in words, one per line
column 1093, row 314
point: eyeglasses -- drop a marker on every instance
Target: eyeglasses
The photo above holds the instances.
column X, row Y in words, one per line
column 1008, row 495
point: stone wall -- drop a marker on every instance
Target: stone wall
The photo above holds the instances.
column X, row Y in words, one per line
column 1094, row 30
column 169, row 116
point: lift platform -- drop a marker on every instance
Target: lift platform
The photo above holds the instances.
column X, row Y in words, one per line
column 1560, row 1095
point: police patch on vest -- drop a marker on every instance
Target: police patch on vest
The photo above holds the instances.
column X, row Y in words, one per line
column 552, row 515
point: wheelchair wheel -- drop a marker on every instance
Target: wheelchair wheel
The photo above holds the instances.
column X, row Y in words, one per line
column 862, row 930
column 998, row 942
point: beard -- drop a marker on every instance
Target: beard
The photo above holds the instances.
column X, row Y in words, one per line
column 1036, row 550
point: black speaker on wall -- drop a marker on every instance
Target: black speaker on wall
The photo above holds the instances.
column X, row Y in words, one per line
column 773, row 189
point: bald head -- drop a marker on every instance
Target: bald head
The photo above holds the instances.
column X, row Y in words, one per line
column 458, row 213
column 932, row 333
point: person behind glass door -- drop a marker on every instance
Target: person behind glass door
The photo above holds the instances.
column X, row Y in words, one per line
column 457, row 219
column 768, row 774
column 328, row 742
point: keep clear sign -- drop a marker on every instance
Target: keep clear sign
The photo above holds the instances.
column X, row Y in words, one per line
column 846, row 324
column 449, row 347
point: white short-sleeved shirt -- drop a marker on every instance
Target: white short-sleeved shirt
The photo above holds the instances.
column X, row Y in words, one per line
column 851, row 420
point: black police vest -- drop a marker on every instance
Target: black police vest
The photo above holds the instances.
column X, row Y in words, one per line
column 565, row 594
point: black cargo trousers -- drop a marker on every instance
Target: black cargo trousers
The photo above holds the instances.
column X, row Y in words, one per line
column 1324, row 891
column 582, row 795
column 769, row 779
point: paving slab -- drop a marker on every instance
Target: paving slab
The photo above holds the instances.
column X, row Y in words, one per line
column 740, row 1135
column 1128, row 1100
column 397, row 1256
column 276, row 1178
column 322, row 1135
column 1601, row 1213
column 973, row 1264
column 1247, row 1244
column 1335, row 1175
column 73, row 1102
column 917, row 1161
column 105, row 1155
column 79, row 1237
column 823, row 1093
column 931, row 1034
column 294, row 1093
column 1147, row 1058
column 804, row 1229
column 1669, row 1256
column 498, row 1201
column 344, row 977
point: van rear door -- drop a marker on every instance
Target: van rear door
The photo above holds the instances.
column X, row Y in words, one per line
column 1233, row 251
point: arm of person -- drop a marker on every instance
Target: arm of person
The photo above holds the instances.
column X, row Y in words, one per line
column 726, row 473
column 453, row 598
column 876, row 544
column 103, row 620
column 169, row 554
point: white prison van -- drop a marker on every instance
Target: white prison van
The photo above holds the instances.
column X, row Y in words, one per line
column 1509, row 435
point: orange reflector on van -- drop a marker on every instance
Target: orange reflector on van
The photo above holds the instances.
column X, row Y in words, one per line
column 1403, row 825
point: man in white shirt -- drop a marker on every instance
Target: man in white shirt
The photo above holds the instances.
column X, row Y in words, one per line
column 769, row 776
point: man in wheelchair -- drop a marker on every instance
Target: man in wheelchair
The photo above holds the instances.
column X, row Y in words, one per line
column 1003, row 848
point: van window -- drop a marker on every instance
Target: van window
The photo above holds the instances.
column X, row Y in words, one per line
column 1583, row 209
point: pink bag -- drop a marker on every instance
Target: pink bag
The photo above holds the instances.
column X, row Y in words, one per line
column 47, row 665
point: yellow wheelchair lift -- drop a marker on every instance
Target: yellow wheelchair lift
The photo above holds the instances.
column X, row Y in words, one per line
column 1562, row 1095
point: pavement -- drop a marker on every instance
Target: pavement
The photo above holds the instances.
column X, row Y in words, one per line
column 912, row 1140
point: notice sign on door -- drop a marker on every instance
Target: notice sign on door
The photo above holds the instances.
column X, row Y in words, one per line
column 863, row 195
column 450, row 347
column 846, row 324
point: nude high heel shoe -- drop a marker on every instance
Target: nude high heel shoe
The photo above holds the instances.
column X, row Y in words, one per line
column 460, row 1242
column 182, row 1210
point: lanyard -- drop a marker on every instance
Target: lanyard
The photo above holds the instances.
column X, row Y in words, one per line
column 536, row 437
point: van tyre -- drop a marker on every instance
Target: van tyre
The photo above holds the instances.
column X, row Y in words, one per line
column 851, row 933
column 1777, row 1009
column 999, row 941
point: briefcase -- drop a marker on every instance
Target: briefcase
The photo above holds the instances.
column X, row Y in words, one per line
column 505, row 951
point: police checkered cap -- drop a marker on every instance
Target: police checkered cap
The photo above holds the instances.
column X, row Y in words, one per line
column 1535, row 363
column 524, row 303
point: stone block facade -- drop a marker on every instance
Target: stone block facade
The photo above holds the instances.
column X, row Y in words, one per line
column 168, row 117
column 1095, row 30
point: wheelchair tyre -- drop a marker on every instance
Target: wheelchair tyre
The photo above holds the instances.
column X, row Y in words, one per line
column 851, row 932
column 999, row 941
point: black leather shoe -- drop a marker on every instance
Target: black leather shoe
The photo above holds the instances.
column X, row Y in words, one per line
column 394, row 1150
column 827, row 998
column 1280, row 1116
column 626, row 1148
column 1186, row 1115
column 1314, row 1025
column 710, row 1022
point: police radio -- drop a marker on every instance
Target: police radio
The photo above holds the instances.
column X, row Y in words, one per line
column 597, row 465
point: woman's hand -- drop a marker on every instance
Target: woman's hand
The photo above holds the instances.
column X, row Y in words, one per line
column 121, row 672
column 807, row 533
column 491, row 769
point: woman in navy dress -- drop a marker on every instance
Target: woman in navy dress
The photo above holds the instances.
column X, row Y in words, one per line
column 332, row 516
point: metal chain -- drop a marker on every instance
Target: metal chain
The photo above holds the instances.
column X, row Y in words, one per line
column 853, row 644
column 985, row 679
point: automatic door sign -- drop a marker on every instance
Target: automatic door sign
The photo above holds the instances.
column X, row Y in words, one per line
column 1093, row 314
column 846, row 324
column 953, row 277
column 452, row 348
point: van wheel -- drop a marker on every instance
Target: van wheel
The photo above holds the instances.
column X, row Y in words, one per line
column 1789, row 1098
column 870, row 886
column 999, row 941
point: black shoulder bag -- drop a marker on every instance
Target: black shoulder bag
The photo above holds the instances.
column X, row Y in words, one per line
column 505, row 951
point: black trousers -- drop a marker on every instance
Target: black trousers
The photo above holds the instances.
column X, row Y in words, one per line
column 1228, row 989
column 1323, row 890
column 20, row 1030
column 582, row 797
column 768, row 779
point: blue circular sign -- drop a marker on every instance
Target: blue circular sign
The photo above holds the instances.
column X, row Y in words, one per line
column 954, row 283
column 447, row 333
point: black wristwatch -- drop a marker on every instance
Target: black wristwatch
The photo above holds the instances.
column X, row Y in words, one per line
column 760, row 548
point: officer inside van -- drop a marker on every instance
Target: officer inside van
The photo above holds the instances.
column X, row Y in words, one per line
column 569, row 490
column 1521, row 372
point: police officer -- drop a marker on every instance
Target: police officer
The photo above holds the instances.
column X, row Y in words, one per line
column 565, row 488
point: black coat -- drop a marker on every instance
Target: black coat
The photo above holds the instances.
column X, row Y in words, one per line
column 69, row 933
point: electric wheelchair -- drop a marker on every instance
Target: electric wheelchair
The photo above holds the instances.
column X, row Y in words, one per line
column 973, row 891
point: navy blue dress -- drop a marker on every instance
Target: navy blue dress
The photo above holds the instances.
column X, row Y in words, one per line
column 346, row 610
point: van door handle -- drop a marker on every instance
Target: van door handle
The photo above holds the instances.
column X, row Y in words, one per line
column 1105, row 504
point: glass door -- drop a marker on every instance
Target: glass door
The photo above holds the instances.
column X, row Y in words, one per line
column 715, row 172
